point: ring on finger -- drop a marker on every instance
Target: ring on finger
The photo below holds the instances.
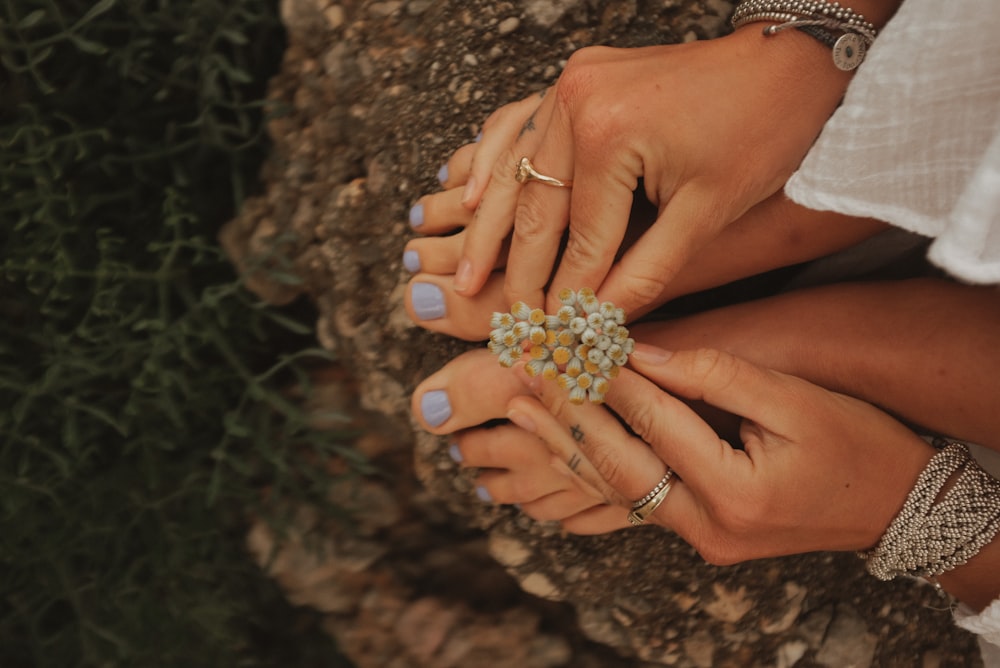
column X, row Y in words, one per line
column 525, row 171
column 648, row 504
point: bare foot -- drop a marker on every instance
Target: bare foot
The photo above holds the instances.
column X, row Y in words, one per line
column 516, row 466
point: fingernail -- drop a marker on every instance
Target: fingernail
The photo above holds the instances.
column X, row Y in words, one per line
column 455, row 453
column 416, row 215
column 650, row 354
column 428, row 301
column 435, row 407
column 470, row 189
column 484, row 495
column 463, row 276
column 479, row 137
column 523, row 421
column 443, row 173
column 411, row 260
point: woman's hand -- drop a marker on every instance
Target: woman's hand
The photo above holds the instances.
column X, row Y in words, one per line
column 711, row 127
column 815, row 470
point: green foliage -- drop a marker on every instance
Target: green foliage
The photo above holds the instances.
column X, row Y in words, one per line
column 141, row 419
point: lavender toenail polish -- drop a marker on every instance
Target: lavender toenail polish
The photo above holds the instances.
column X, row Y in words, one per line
column 428, row 301
column 411, row 260
column 435, row 407
column 443, row 173
column 455, row 453
column 484, row 495
column 417, row 215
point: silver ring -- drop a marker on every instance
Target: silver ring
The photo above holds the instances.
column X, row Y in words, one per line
column 525, row 171
column 648, row 504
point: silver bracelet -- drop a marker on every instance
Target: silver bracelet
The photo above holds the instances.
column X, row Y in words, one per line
column 817, row 18
column 934, row 533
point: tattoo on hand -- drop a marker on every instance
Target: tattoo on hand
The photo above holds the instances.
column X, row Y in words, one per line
column 574, row 463
column 577, row 433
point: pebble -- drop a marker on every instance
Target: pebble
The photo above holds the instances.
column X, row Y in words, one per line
column 509, row 25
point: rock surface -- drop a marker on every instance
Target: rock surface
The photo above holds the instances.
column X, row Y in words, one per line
column 372, row 98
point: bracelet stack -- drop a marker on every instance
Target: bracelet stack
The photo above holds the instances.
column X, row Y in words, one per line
column 820, row 19
column 936, row 532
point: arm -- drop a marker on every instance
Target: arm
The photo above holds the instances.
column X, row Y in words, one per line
column 924, row 350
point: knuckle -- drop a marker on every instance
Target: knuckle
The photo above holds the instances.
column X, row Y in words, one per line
column 581, row 250
column 610, row 467
column 641, row 290
column 529, row 216
column 505, row 166
column 714, row 369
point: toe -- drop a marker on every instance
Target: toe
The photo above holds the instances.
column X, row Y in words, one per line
column 433, row 304
column 466, row 392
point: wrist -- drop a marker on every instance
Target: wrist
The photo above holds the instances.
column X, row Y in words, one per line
column 845, row 31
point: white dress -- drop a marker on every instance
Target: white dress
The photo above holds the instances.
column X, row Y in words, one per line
column 916, row 143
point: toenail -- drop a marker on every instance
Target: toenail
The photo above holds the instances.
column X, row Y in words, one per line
column 428, row 301
column 455, row 453
column 484, row 495
column 417, row 215
column 443, row 173
column 411, row 260
column 435, row 407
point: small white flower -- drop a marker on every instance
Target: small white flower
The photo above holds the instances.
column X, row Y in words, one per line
column 587, row 340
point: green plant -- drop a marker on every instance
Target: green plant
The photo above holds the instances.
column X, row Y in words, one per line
column 140, row 383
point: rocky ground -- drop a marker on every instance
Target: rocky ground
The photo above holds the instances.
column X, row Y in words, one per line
column 372, row 98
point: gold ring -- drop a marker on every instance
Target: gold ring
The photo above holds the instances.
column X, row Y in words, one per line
column 648, row 504
column 525, row 172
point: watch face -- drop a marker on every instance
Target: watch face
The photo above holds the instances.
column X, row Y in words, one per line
column 848, row 51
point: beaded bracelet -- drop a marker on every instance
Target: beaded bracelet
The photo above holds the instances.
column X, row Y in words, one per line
column 934, row 533
column 817, row 18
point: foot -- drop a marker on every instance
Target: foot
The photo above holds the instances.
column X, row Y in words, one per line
column 515, row 467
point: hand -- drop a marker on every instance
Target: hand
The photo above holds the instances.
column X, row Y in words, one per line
column 513, row 467
column 711, row 127
column 816, row 470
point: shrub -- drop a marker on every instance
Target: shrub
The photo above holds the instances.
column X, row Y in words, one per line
column 138, row 378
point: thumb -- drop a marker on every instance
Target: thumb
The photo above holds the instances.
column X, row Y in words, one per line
column 678, row 435
column 723, row 380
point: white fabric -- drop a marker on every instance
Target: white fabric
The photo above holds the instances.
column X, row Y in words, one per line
column 916, row 141
column 987, row 625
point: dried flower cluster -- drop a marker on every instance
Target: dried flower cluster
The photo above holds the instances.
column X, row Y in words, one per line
column 581, row 346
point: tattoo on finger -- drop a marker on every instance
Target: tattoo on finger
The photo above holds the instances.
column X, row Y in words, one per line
column 577, row 433
column 574, row 463
column 529, row 126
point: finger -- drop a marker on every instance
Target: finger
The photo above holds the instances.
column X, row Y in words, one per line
column 604, row 178
column 505, row 486
column 431, row 302
column 500, row 131
column 459, row 166
column 529, row 414
column 507, row 446
column 468, row 391
column 687, row 223
column 562, row 505
column 621, row 461
column 440, row 255
column 439, row 213
column 597, row 520
column 541, row 215
column 494, row 217
column 722, row 380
